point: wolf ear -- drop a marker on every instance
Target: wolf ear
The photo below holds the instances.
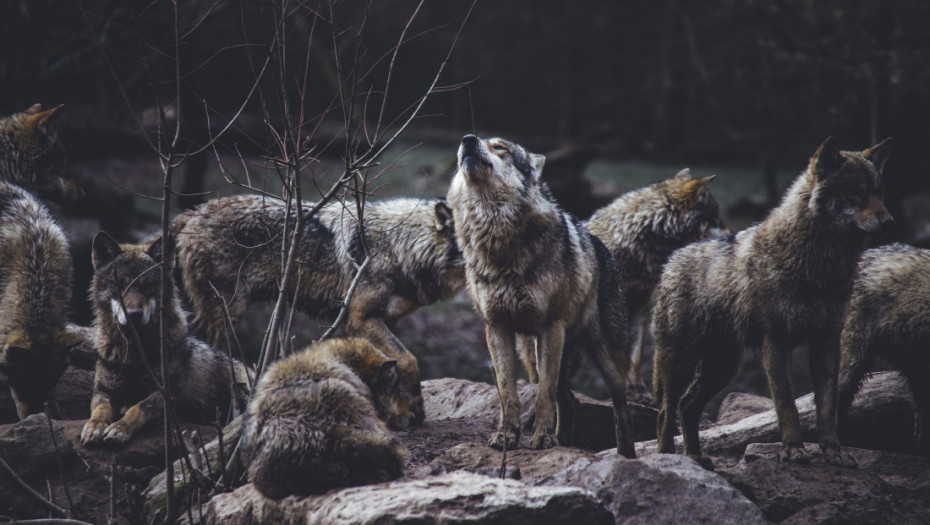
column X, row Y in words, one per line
column 536, row 162
column 104, row 250
column 826, row 159
column 33, row 109
column 42, row 122
column 684, row 174
column 879, row 153
column 157, row 249
column 443, row 216
column 693, row 190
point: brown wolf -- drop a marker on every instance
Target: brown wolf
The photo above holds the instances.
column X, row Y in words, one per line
column 773, row 286
column 125, row 294
column 533, row 271
column 889, row 317
column 315, row 421
column 35, row 293
column 32, row 157
column 234, row 245
column 641, row 229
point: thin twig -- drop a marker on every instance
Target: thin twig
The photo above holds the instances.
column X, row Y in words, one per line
column 54, row 509
column 348, row 298
column 61, row 468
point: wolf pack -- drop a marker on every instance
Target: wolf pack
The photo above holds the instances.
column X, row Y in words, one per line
column 550, row 288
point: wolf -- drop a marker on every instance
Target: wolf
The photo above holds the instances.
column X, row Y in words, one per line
column 641, row 229
column 32, row 157
column 775, row 285
column 35, row 294
column 316, row 421
column 125, row 293
column 889, row 317
column 534, row 272
column 232, row 247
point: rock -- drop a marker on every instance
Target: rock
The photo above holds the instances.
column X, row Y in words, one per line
column 886, row 488
column 594, row 419
column 75, row 388
column 29, row 449
column 453, row 498
column 737, row 406
column 211, row 462
column 661, row 488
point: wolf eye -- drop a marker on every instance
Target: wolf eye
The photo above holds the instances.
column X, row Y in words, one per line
column 498, row 147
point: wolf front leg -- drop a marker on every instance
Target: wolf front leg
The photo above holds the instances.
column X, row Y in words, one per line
column 776, row 358
column 824, row 360
column 149, row 409
column 550, row 344
column 501, row 345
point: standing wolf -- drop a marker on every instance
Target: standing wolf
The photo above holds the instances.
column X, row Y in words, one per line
column 533, row 271
column 35, row 294
column 315, row 421
column 32, row 157
column 773, row 286
column 641, row 229
column 889, row 317
column 233, row 245
column 125, row 294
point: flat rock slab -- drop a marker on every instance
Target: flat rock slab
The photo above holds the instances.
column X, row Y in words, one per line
column 453, row 498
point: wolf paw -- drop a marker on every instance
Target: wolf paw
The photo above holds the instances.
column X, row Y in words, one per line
column 543, row 441
column 794, row 455
column 705, row 462
column 839, row 457
column 500, row 438
column 93, row 431
column 117, row 433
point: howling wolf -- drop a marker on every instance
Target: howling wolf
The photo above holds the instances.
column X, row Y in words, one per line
column 773, row 286
column 534, row 272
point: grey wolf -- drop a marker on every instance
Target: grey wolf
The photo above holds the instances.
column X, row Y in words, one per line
column 773, row 286
column 889, row 317
column 32, row 157
column 126, row 297
column 534, row 272
column 315, row 421
column 35, row 294
column 234, row 245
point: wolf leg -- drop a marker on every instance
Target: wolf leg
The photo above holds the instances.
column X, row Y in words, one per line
column 526, row 347
column 776, row 357
column 100, row 417
column 673, row 370
column 916, row 377
column 612, row 363
column 550, row 345
column 501, row 345
column 824, row 361
column 149, row 409
column 855, row 361
column 714, row 372
column 639, row 329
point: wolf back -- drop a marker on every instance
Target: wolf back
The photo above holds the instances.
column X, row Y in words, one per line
column 315, row 421
column 773, row 286
column 35, row 294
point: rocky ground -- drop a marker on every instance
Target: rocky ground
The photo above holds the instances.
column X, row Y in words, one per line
column 453, row 476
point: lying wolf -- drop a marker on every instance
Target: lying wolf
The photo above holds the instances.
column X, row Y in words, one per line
column 35, row 294
column 125, row 294
column 232, row 246
column 889, row 317
column 534, row 272
column 315, row 421
column 781, row 283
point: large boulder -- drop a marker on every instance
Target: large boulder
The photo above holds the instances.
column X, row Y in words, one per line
column 453, row 498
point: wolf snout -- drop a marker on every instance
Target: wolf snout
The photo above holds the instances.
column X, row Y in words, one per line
column 470, row 143
column 138, row 309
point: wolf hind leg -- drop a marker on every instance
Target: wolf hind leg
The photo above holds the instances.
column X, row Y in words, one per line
column 613, row 365
column 550, row 345
column 639, row 332
column 824, row 363
column 714, row 372
column 674, row 368
column 855, row 362
column 526, row 347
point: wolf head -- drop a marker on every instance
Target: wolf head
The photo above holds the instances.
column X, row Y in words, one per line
column 37, row 160
column 498, row 165
column 849, row 186
column 31, row 363
column 127, row 282
column 693, row 204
